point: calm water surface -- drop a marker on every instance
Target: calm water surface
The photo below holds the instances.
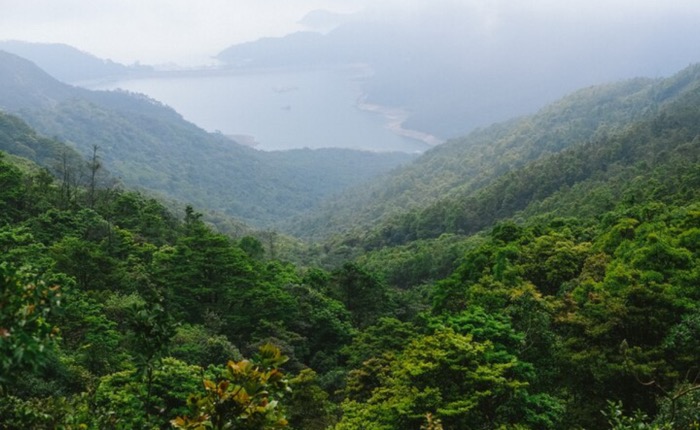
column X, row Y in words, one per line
column 279, row 110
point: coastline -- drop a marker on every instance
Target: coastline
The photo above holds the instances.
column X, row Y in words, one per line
column 392, row 119
column 212, row 71
column 395, row 119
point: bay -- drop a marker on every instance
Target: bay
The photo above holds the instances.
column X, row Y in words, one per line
column 280, row 109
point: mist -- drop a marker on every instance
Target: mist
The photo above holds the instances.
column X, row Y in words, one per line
column 450, row 65
column 457, row 65
column 460, row 65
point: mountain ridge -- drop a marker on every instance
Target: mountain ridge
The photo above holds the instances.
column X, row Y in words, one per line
column 69, row 64
column 463, row 167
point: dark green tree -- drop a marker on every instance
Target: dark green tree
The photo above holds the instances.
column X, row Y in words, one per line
column 247, row 396
column 26, row 333
column 364, row 296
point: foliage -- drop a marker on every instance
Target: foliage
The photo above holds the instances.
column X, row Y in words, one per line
column 245, row 397
column 309, row 406
column 364, row 296
column 195, row 344
column 618, row 421
column 150, row 146
column 125, row 400
column 26, row 304
column 460, row 380
column 578, row 293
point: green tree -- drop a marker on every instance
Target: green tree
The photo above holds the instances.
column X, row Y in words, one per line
column 551, row 260
column 197, row 345
column 11, row 192
column 203, row 272
column 151, row 328
column 459, row 380
column 386, row 336
column 26, row 305
column 364, row 296
column 86, row 261
column 245, row 397
column 309, row 407
column 122, row 399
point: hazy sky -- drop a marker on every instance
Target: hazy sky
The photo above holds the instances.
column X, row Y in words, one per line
column 190, row 31
column 156, row 31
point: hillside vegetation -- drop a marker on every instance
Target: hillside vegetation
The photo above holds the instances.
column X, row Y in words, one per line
column 434, row 194
column 149, row 146
column 558, row 293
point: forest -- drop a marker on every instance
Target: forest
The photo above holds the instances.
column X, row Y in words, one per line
column 149, row 146
column 541, row 273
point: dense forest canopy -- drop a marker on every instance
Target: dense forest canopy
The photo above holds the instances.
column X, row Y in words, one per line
column 546, row 277
column 461, row 168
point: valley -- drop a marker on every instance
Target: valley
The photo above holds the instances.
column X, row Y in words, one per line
column 540, row 272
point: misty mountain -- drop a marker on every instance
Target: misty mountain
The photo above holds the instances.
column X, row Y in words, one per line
column 465, row 184
column 148, row 145
column 457, row 67
column 67, row 63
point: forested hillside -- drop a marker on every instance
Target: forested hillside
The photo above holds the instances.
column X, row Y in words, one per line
column 559, row 291
column 432, row 192
column 148, row 145
column 17, row 138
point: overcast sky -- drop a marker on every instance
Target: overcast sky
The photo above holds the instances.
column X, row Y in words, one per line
column 156, row 31
column 190, row 31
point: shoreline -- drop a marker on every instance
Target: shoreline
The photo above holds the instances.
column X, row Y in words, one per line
column 209, row 72
column 395, row 119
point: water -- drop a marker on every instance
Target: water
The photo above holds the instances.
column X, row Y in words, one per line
column 277, row 110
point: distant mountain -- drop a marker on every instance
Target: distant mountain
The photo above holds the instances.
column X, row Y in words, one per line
column 466, row 184
column 455, row 69
column 67, row 63
column 149, row 145
column 323, row 20
column 297, row 49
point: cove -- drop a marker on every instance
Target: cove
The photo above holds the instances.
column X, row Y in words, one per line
column 279, row 109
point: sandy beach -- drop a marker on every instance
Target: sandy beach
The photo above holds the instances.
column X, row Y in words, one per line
column 395, row 119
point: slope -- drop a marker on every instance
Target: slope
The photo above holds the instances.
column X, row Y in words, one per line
column 598, row 276
column 628, row 154
column 652, row 163
column 149, row 145
column 17, row 138
column 462, row 168
column 67, row 63
column 465, row 164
